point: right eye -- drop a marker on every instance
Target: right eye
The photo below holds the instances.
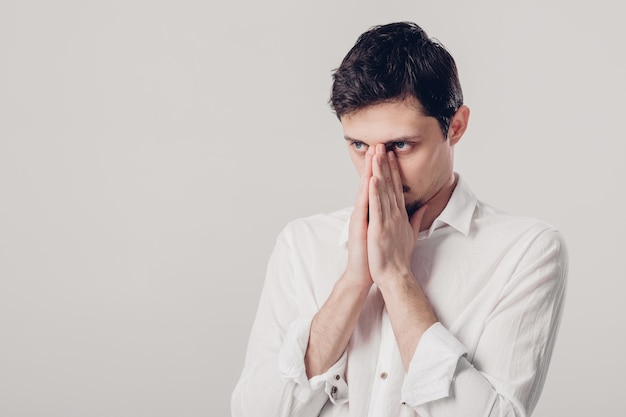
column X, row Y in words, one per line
column 359, row 146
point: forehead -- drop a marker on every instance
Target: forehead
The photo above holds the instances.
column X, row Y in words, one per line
column 387, row 121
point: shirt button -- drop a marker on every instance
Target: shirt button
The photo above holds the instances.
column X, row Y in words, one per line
column 334, row 390
column 383, row 375
column 337, row 377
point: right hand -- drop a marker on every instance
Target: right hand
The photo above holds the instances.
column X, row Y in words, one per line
column 357, row 269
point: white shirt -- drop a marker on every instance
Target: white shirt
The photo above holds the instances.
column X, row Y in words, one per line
column 496, row 283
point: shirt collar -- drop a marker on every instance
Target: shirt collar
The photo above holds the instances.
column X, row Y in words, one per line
column 458, row 213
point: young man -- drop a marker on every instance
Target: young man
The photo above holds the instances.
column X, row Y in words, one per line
column 420, row 300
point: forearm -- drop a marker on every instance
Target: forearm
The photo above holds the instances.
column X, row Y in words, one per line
column 334, row 323
column 503, row 371
column 274, row 380
column 410, row 312
column 440, row 367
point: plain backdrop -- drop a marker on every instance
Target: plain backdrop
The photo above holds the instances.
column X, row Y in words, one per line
column 151, row 151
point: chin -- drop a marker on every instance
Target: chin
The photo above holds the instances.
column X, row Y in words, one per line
column 413, row 207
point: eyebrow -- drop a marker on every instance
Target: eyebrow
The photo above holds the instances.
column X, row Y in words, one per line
column 394, row 140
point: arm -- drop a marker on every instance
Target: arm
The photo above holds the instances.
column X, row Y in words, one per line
column 295, row 365
column 273, row 381
column 509, row 365
column 508, row 368
column 333, row 325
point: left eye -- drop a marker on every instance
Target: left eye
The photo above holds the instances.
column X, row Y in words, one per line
column 400, row 145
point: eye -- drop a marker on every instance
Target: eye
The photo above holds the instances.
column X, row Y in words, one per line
column 360, row 147
column 400, row 146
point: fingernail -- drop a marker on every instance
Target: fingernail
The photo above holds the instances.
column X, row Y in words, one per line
column 380, row 149
column 391, row 155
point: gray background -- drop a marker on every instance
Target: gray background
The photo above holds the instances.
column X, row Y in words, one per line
column 151, row 151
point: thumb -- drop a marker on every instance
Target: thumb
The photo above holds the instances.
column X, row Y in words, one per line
column 416, row 220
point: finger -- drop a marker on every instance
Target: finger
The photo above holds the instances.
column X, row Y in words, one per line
column 375, row 206
column 416, row 220
column 367, row 165
column 362, row 199
column 396, row 179
column 364, row 182
column 386, row 171
column 379, row 163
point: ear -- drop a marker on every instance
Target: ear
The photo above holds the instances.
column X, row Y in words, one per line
column 458, row 124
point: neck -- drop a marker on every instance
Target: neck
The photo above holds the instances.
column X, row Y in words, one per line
column 438, row 202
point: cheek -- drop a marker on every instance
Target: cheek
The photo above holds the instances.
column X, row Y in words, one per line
column 411, row 169
column 417, row 171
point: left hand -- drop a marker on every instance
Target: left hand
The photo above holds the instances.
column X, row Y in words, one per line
column 391, row 236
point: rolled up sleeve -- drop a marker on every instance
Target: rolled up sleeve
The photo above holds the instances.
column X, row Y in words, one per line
column 273, row 381
column 508, row 367
column 433, row 367
column 292, row 368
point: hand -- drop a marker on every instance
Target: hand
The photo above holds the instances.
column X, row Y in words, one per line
column 357, row 268
column 391, row 236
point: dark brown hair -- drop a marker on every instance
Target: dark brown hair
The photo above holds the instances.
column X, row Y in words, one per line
column 395, row 61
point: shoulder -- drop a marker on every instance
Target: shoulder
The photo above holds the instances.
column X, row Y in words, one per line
column 535, row 237
column 497, row 220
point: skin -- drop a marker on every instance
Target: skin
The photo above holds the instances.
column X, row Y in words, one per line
column 404, row 160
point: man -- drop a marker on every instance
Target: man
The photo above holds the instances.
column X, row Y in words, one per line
column 420, row 300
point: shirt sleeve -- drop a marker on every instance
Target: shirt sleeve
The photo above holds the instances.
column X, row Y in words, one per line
column 508, row 368
column 273, row 381
column 292, row 368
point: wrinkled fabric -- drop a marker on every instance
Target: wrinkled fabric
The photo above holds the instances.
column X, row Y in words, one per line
column 495, row 281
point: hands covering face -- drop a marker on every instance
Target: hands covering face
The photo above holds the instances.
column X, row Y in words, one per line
column 380, row 250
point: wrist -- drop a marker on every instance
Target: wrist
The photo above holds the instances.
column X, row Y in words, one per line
column 405, row 293
column 356, row 281
column 398, row 279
